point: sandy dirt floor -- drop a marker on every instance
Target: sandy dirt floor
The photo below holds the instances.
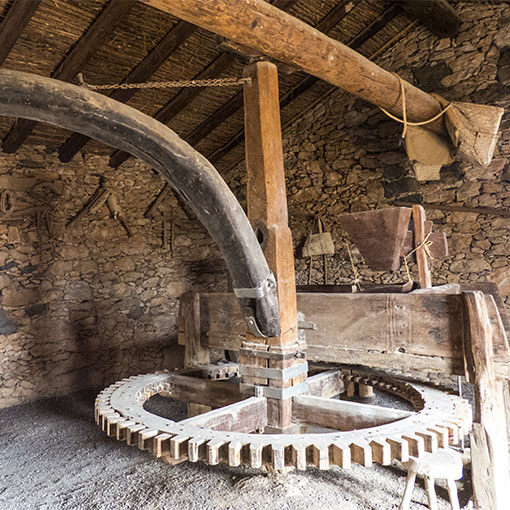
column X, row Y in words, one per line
column 53, row 456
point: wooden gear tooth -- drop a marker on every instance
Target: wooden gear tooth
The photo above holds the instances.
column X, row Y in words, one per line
column 299, row 457
column 436, row 425
column 381, row 452
column 361, row 453
column 340, row 455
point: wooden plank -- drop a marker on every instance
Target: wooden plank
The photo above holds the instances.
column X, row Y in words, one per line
column 378, row 234
column 99, row 32
column 194, row 352
column 326, row 384
column 14, row 23
column 422, row 259
column 342, row 414
column 165, row 191
column 144, row 70
column 489, row 211
column 259, row 25
column 249, row 415
column 437, row 15
column 489, row 442
column 205, row 391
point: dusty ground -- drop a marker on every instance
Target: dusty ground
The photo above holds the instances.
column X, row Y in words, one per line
column 52, row 456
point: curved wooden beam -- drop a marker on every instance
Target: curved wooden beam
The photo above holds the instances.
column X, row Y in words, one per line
column 47, row 100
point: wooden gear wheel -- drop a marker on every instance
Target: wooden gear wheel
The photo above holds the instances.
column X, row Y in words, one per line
column 233, row 434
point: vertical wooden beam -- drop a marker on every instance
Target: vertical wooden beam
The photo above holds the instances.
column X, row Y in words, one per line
column 13, row 24
column 425, row 279
column 489, row 443
column 267, row 211
column 189, row 316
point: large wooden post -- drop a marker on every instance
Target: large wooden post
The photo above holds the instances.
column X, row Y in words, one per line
column 275, row 361
column 489, row 443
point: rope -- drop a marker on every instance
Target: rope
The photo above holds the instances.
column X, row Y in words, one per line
column 216, row 82
column 426, row 244
column 404, row 110
column 356, row 281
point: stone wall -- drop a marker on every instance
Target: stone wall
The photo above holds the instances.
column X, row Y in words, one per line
column 345, row 155
column 85, row 305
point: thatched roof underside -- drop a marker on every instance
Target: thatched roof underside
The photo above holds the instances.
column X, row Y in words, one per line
column 57, row 25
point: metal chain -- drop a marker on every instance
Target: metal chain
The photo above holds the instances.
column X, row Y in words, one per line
column 216, row 82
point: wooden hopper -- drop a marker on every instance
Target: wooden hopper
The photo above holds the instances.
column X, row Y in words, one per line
column 378, row 235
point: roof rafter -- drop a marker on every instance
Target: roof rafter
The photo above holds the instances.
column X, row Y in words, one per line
column 369, row 31
column 13, row 24
column 98, row 33
column 236, row 102
column 144, row 70
column 185, row 96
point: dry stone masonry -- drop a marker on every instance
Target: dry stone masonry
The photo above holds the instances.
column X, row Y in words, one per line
column 346, row 155
column 84, row 305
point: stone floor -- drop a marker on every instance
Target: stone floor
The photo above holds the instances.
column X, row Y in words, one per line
column 52, row 456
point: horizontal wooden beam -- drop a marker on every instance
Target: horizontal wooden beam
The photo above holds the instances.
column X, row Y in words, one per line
column 204, row 391
column 439, row 16
column 489, row 211
column 326, row 384
column 99, row 33
column 249, row 415
column 331, row 20
column 144, row 70
column 342, row 414
column 261, row 26
column 16, row 19
column 376, row 330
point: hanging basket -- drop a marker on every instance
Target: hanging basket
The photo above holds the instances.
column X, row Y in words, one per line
column 318, row 244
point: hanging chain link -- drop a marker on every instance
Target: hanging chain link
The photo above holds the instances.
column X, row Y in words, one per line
column 215, row 82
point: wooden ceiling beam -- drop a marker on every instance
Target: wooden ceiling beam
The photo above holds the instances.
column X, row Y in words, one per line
column 257, row 24
column 185, row 96
column 332, row 19
column 13, row 24
column 438, row 16
column 144, row 70
column 99, row 32
column 369, row 31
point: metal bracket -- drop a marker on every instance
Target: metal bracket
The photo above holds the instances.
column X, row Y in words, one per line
column 257, row 292
column 274, row 373
column 280, row 393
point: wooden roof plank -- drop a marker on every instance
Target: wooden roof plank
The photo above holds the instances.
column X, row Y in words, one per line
column 144, row 70
column 102, row 28
column 13, row 24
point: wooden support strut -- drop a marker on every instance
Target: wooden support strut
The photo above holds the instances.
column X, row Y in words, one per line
column 267, row 212
column 489, row 443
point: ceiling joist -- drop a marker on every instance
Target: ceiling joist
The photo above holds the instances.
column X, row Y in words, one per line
column 100, row 31
column 143, row 71
column 13, row 24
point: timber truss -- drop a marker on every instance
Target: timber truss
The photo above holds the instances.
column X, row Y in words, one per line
column 328, row 432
